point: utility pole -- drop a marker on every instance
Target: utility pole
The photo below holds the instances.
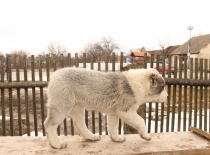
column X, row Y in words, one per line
column 188, row 53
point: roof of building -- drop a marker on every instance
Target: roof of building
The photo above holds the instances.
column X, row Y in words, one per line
column 167, row 51
column 197, row 43
column 140, row 54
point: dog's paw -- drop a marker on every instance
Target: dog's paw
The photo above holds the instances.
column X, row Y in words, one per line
column 146, row 137
column 118, row 138
column 63, row 145
column 59, row 146
column 94, row 138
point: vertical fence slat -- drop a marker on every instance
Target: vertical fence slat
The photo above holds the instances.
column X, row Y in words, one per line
column 10, row 96
column 26, row 96
column 196, row 93
column 157, row 104
column 162, row 103
column 72, row 127
column 18, row 95
column 185, row 96
column 169, row 97
column 201, row 94
column 2, row 98
column 48, row 67
column 174, row 95
column 41, row 95
column 191, row 91
column 54, row 62
column 34, row 95
column 113, row 62
column 205, row 95
column 69, row 60
column 179, row 96
column 76, row 60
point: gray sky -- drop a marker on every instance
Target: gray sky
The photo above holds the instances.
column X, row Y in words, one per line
column 31, row 25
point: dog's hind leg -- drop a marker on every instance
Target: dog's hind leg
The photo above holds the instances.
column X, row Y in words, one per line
column 137, row 122
column 77, row 114
column 112, row 126
column 54, row 117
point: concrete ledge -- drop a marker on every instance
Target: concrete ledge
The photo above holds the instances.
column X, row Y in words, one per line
column 186, row 143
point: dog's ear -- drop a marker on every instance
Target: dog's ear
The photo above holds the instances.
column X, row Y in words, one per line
column 153, row 78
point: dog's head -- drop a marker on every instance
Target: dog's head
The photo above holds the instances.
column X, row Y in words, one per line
column 157, row 91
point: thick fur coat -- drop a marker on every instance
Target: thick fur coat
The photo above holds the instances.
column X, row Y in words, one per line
column 72, row 90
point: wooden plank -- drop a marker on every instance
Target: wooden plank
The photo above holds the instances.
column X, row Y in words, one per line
column 178, row 143
column 24, row 84
column 200, row 132
column 187, row 82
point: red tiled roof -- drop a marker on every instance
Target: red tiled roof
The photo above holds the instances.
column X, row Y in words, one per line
column 140, row 54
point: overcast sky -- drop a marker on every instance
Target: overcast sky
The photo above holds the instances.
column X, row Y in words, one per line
column 31, row 25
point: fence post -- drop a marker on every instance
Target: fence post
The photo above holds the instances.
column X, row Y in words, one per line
column 7, row 64
column 69, row 59
column 9, row 70
column 145, row 60
column 121, row 61
column 76, row 60
column 113, row 62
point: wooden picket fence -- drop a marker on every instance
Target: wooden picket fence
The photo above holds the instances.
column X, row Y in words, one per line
column 23, row 94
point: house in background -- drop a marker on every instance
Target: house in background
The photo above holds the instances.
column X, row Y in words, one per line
column 138, row 56
column 200, row 47
column 164, row 52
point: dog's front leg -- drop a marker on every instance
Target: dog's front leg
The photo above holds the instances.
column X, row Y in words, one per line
column 137, row 122
column 112, row 126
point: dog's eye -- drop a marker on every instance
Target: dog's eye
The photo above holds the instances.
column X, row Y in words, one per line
column 162, row 88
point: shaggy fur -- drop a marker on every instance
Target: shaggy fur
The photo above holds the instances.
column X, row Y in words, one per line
column 71, row 90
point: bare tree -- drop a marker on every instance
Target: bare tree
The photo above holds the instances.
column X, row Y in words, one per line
column 17, row 58
column 109, row 45
column 164, row 44
column 56, row 49
column 105, row 47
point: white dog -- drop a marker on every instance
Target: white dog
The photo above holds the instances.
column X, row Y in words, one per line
column 71, row 90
